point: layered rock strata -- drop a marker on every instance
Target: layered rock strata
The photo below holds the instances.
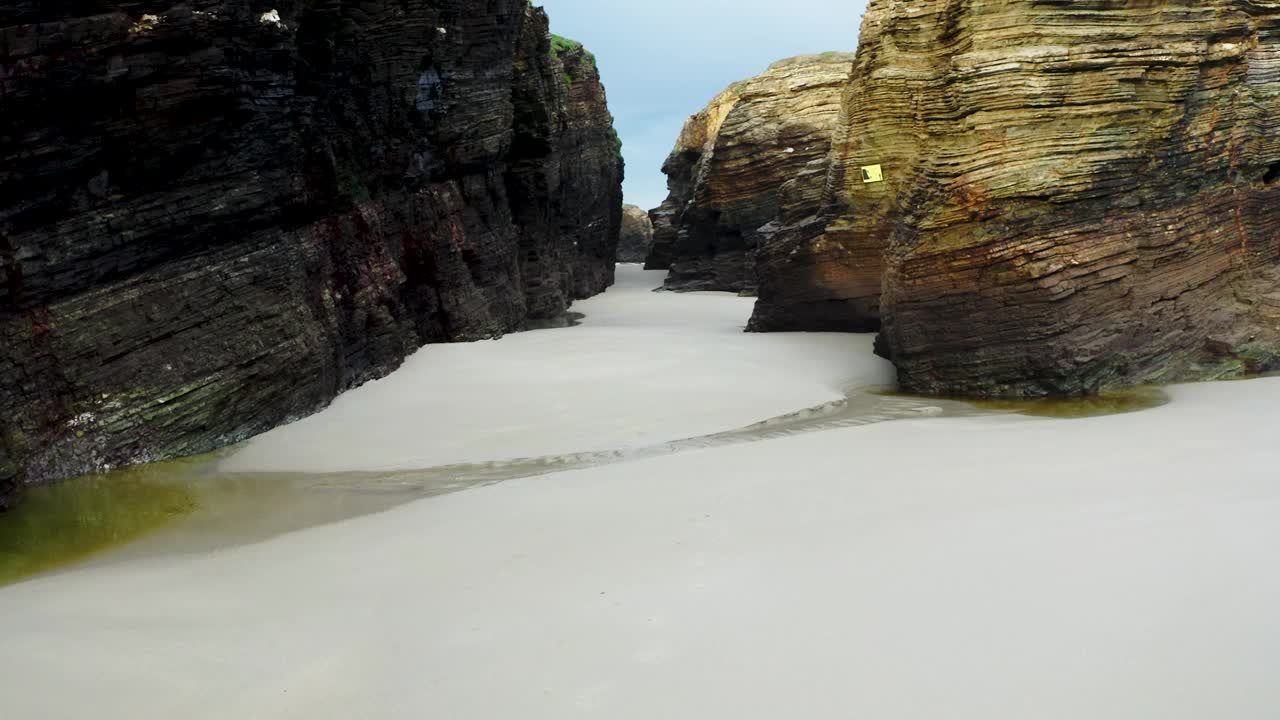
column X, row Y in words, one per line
column 1076, row 196
column 637, row 235
column 727, row 170
column 215, row 216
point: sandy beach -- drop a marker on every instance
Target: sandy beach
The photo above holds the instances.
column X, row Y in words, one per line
column 976, row 568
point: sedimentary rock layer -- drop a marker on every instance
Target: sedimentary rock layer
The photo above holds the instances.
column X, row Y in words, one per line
column 1076, row 196
column 727, row 170
column 636, row 236
column 215, row 216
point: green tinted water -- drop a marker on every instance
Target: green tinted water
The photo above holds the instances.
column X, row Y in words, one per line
column 189, row 506
column 185, row 506
column 70, row 521
column 1107, row 403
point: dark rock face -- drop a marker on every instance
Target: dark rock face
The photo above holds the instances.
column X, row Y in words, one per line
column 682, row 169
column 1076, row 196
column 728, row 168
column 636, row 237
column 215, row 216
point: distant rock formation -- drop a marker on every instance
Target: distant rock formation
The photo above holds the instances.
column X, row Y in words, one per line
column 728, row 168
column 1076, row 196
column 215, row 218
column 637, row 235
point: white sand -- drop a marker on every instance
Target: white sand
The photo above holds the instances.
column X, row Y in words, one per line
column 643, row 368
column 997, row 568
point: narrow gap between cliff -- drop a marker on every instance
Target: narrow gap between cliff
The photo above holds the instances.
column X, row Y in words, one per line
column 1273, row 173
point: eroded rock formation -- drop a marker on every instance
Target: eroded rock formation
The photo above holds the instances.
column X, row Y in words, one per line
column 636, row 236
column 726, row 172
column 215, row 216
column 1076, row 196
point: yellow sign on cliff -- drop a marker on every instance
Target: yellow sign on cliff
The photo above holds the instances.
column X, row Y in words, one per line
column 872, row 174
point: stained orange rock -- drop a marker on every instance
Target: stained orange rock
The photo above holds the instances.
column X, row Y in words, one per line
column 738, row 163
column 1076, row 196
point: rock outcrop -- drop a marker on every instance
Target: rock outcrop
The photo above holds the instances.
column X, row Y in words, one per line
column 728, row 168
column 215, row 216
column 1076, row 196
column 636, row 236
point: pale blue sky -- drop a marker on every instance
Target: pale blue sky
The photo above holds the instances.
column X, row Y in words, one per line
column 663, row 60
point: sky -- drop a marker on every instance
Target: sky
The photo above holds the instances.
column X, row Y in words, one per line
column 664, row 60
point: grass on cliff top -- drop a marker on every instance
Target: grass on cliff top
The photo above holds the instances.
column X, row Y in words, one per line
column 560, row 44
column 68, row 521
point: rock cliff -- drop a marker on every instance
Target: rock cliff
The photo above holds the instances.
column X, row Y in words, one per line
column 727, row 170
column 215, row 216
column 637, row 235
column 1076, row 196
